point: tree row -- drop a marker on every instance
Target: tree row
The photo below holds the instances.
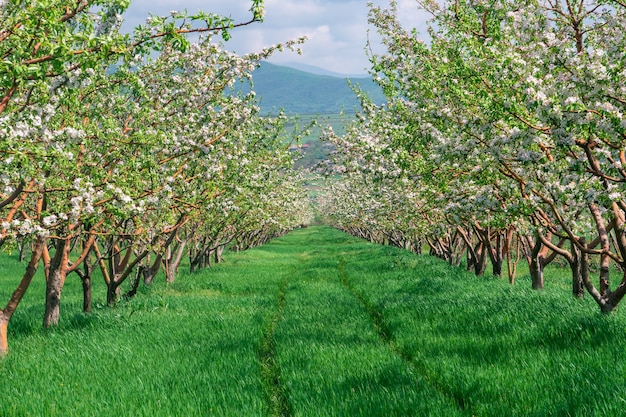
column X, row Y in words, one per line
column 503, row 138
column 125, row 153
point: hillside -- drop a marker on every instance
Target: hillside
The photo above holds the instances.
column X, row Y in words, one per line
column 300, row 92
column 322, row 71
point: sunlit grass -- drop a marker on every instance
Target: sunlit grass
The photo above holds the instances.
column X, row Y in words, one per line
column 317, row 323
column 162, row 355
column 505, row 350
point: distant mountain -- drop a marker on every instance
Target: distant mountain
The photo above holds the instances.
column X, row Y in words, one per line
column 300, row 92
column 321, row 71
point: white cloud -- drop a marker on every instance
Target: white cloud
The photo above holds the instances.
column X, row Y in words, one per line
column 293, row 10
column 337, row 29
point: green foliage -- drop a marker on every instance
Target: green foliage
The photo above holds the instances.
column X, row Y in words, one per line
column 313, row 150
column 322, row 324
column 124, row 142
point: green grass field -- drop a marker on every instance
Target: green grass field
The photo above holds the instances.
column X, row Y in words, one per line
column 318, row 323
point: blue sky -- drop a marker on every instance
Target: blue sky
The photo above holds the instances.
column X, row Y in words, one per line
column 337, row 30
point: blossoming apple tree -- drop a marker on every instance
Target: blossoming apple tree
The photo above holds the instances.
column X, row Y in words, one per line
column 110, row 151
column 519, row 109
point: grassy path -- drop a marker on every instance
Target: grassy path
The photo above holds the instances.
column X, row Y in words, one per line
column 275, row 395
column 378, row 321
column 332, row 357
column 321, row 354
column 318, row 323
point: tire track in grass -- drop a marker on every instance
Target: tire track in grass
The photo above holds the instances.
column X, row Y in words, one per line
column 275, row 395
column 386, row 335
column 375, row 316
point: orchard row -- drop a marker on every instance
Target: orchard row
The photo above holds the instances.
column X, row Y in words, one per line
column 124, row 152
column 503, row 138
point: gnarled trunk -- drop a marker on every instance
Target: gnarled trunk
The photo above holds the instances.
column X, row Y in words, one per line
column 120, row 272
column 86, row 280
column 493, row 245
column 578, row 286
column 480, row 259
column 56, row 279
column 150, row 271
column 607, row 300
column 60, row 266
column 536, row 264
column 18, row 294
column 173, row 261
column 113, row 291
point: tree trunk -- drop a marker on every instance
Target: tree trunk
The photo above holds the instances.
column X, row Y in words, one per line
column 18, row 294
column 603, row 235
column 166, row 263
column 499, row 253
column 206, row 258
column 174, row 261
column 218, row 254
column 192, row 264
column 145, row 270
column 150, row 271
column 605, row 305
column 495, row 250
column 87, row 301
column 134, row 287
column 121, row 273
column 4, row 341
column 418, row 246
column 86, row 280
column 604, row 274
column 170, row 272
column 536, row 274
column 536, row 265
column 511, row 264
column 113, row 290
column 497, row 267
column 480, row 260
column 116, row 265
column 53, row 298
column 197, row 259
column 56, row 280
column 164, row 256
column 578, row 286
column 458, row 249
